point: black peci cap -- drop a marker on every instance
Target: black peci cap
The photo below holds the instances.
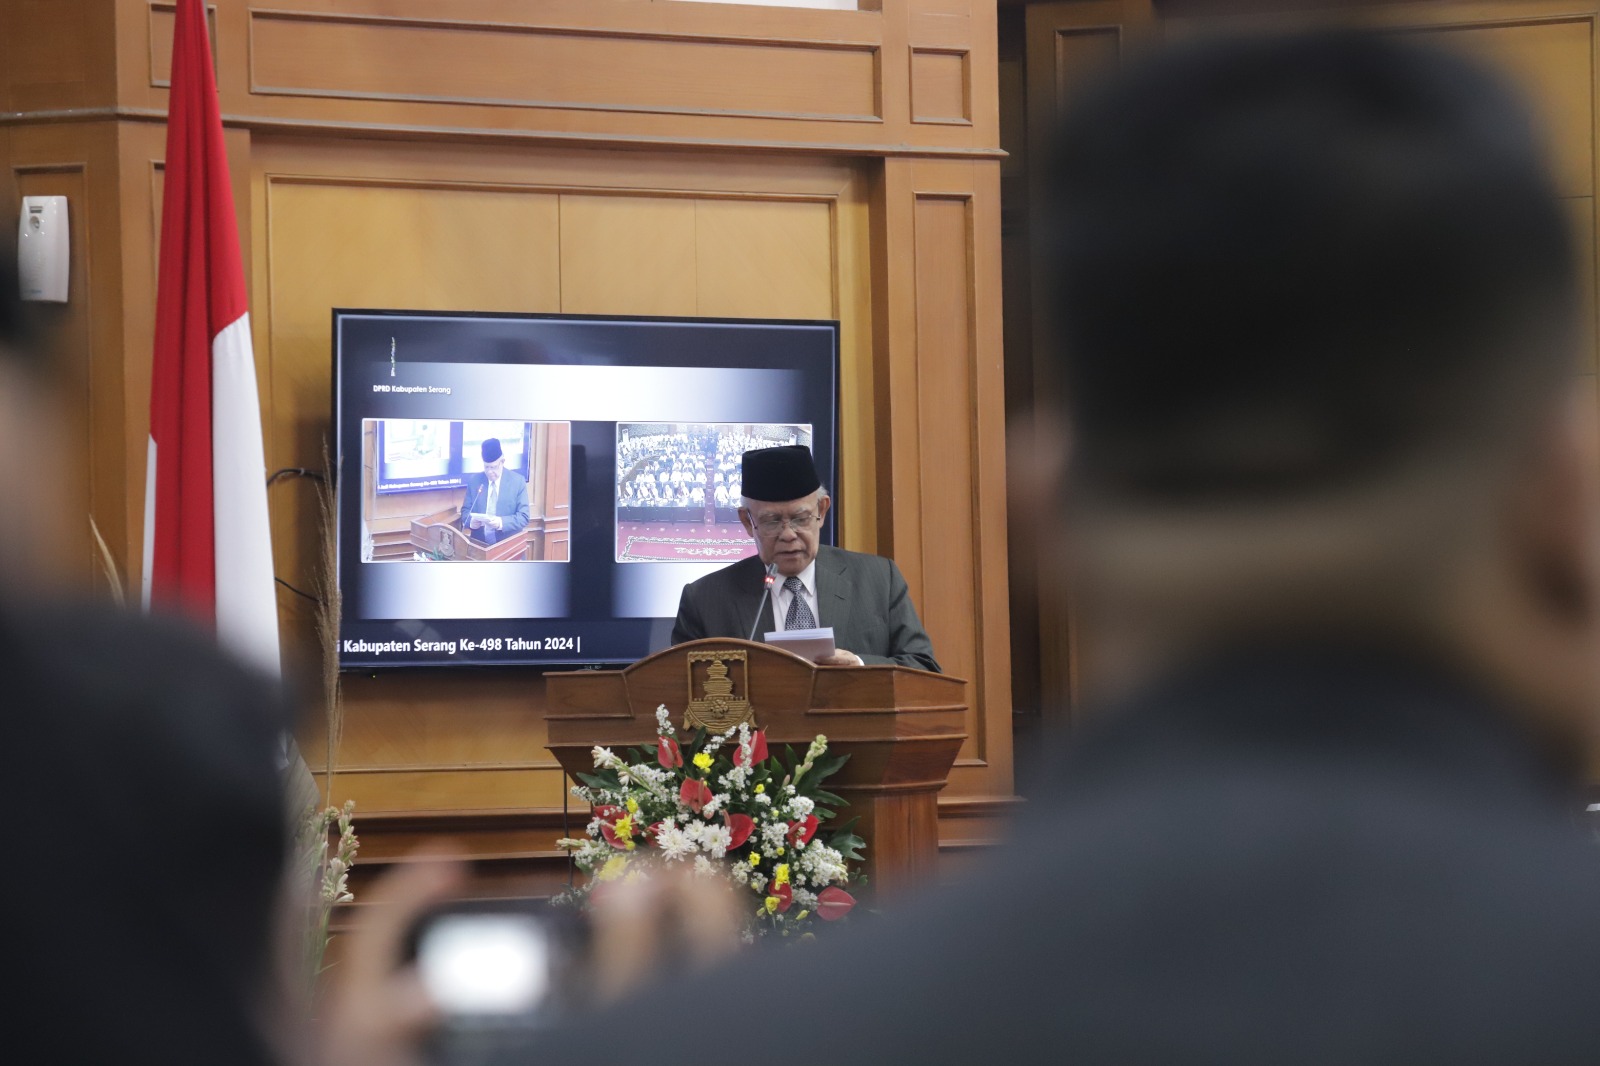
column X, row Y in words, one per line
column 491, row 449
column 777, row 475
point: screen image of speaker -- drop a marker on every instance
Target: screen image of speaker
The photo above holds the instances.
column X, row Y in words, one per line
column 611, row 477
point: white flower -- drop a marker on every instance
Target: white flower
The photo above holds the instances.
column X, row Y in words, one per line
column 674, row 842
column 763, row 799
column 822, row 865
column 715, row 839
column 663, row 721
column 717, row 803
column 800, row 806
column 602, row 756
column 703, row 867
column 773, row 835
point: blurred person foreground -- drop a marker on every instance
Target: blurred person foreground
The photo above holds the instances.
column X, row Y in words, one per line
column 1332, row 523
column 146, row 826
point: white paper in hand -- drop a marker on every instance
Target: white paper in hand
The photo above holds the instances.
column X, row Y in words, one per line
column 479, row 520
column 810, row 644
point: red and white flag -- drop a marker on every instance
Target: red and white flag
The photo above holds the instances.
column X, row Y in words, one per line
column 208, row 551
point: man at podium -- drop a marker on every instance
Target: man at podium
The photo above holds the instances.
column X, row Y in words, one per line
column 496, row 502
column 863, row 598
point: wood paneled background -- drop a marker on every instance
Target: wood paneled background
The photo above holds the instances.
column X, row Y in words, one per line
column 633, row 157
column 591, row 156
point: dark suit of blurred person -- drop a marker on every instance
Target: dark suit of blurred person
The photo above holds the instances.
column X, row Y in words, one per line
column 1330, row 515
column 144, row 817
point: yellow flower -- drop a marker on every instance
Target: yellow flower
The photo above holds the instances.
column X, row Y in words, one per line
column 779, row 851
column 760, row 789
column 755, row 858
column 780, row 876
column 801, row 916
column 633, row 805
column 772, row 904
column 703, row 761
column 613, row 868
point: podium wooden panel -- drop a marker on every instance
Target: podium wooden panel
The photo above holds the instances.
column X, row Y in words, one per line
column 439, row 532
column 901, row 727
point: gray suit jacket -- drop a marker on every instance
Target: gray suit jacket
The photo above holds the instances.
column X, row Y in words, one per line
column 863, row 597
column 511, row 505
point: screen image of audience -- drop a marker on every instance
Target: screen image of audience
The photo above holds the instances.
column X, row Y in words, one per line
column 694, row 465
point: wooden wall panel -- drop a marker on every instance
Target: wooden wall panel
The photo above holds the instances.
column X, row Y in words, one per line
column 583, row 71
column 634, row 252
column 946, row 427
column 81, row 163
column 70, row 464
column 941, row 389
column 440, row 61
column 940, row 86
column 57, row 55
column 765, row 259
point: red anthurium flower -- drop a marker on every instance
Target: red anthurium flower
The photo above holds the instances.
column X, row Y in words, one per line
column 834, row 903
column 758, row 751
column 740, row 826
column 785, row 896
column 802, row 831
column 608, row 814
column 616, row 840
column 694, row 794
column 654, row 831
column 667, row 753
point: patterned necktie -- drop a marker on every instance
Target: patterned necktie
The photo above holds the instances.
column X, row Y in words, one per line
column 799, row 616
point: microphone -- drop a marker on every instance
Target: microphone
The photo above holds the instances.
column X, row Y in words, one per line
column 766, row 587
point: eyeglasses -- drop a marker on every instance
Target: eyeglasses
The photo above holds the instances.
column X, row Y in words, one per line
column 772, row 525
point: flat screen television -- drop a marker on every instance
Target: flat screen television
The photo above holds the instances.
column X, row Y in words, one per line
column 620, row 441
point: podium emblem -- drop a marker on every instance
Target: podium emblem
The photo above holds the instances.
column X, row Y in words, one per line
column 444, row 546
column 719, row 694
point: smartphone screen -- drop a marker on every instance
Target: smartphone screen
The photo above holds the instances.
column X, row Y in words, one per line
column 488, row 964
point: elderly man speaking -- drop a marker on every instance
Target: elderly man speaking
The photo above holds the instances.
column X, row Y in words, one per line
column 862, row 597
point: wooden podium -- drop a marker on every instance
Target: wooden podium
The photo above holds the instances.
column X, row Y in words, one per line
column 439, row 535
column 901, row 727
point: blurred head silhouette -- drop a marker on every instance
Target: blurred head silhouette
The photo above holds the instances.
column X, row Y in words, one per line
column 1316, row 309
column 145, row 829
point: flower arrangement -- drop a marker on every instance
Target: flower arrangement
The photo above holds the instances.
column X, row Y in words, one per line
column 724, row 806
